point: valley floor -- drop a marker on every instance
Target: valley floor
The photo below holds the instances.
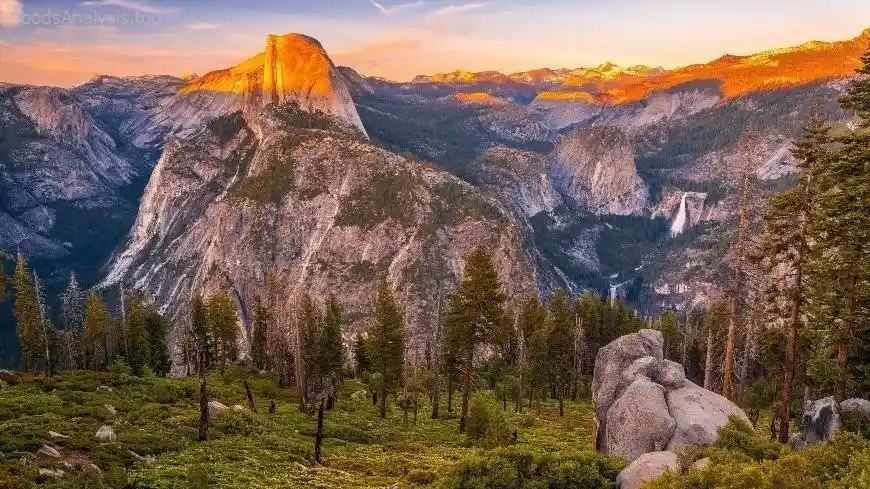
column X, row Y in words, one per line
column 159, row 417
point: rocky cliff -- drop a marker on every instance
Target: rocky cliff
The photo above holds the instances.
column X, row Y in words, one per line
column 594, row 166
column 300, row 195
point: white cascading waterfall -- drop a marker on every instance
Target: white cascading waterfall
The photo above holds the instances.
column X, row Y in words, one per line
column 680, row 222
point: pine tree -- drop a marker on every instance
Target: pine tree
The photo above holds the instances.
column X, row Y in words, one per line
column 476, row 310
column 784, row 252
column 27, row 314
column 386, row 343
column 46, row 332
column 73, row 308
column 97, row 324
column 841, row 229
column 200, row 332
column 667, row 325
column 324, row 362
column 224, row 327
column 560, row 345
column 259, row 336
column 530, row 323
column 156, row 330
column 360, row 356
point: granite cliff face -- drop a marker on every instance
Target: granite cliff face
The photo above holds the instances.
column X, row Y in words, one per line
column 594, row 167
column 300, row 195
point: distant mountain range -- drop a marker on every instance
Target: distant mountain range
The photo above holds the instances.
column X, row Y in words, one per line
column 619, row 180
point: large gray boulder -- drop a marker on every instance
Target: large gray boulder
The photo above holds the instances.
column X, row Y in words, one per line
column 611, row 362
column 639, row 421
column 823, row 417
column 645, row 468
column 821, row 420
column 644, row 403
column 699, row 414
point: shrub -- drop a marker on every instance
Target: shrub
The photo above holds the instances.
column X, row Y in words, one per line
column 421, row 477
column 232, row 422
column 478, row 417
column 738, row 436
column 520, row 468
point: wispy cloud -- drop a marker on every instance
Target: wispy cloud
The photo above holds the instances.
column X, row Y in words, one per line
column 394, row 9
column 454, row 9
column 10, row 13
column 137, row 5
column 202, row 26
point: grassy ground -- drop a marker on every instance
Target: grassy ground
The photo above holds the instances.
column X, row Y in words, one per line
column 158, row 418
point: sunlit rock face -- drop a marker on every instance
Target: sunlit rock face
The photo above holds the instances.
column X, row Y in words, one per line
column 293, row 68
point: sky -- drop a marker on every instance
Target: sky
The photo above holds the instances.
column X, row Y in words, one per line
column 65, row 43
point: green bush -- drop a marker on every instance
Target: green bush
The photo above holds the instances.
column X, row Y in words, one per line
column 478, row 417
column 738, row 436
column 841, row 464
column 515, row 468
column 422, row 477
column 233, row 422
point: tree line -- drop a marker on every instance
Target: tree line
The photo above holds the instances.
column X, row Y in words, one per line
column 90, row 336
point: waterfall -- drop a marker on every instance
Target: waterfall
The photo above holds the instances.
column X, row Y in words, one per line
column 680, row 222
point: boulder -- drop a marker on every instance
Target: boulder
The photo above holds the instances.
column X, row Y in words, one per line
column 611, row 362
column 701, row 464
column 104, row 389
column 855, row 409
column 359, row 395
column 699, row 414
column 797, row 442
column 639, row 421
column 645, row 468
column 671, row 375
column 10, row 378
column 105, row 434
column 51, row 472
column 821, row 420
column 215, row 408
column 48, row 451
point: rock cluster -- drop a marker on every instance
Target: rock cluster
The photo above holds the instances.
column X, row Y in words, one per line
column 823, row 417
column 645, row 407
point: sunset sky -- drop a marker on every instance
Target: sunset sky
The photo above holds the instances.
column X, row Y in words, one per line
column 67, row 42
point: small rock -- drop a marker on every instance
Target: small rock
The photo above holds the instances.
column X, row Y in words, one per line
column 104, row 389
column 111, row 409
column 701, row 464
column 797, row 442
column 55, row 434
column 105, row 433
column 51, row 473
column 22, row 461
column 94, row 468
column 359, row 395
column 48, row 451
column 239, row 407
column 147, row 459
column 645, row 468
column 215, row 408
column 10, row 378
column 262, row 372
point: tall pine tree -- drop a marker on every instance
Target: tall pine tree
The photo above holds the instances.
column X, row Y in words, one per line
column 476, row 309
column 73, row 308
column 27, row 315
column 96, row 330
column 560, row 345
column 784, row 251
column 386, row 343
